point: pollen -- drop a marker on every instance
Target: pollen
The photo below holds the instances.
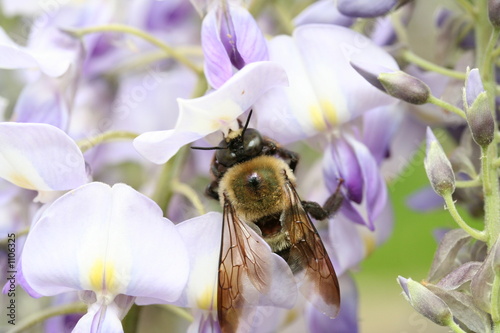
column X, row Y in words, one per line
column 102, row 276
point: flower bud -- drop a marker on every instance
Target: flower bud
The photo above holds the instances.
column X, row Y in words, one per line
column 426, row 302
column 438, row 167
column 479, row 117
column 494, row 12
column 405, row 87
column 394, row 82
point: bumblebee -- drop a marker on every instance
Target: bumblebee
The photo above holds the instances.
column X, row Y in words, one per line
column 253, row 178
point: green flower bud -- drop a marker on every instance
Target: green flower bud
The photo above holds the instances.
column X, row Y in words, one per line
column 478, row 112
column 394, row 82
column 426, row 302
column 438, row 167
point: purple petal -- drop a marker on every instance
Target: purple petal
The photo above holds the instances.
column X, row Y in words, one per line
column 366, row 190
column 383, row 33
column 425, row 200
column 218, row 67
column 473, row 86
column 323, row 11
column 341, row 163
column 379, row 127
column 42, row 102
column 365, row 8
column 250, row 41
column 230, row 39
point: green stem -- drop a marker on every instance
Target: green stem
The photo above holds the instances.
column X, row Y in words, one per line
column 454, row 326
column 450, row 205
column 468, row 183
column 447, row 106
column 467, row 6
column 495, row 294
column 42, row 315
column 86, row 144
column 182, row 313
column 170, row 172
column 190, row 194
column 141, row 34
column 491, row 193
column 425, row 64
column 147, row 57
column 485, row 171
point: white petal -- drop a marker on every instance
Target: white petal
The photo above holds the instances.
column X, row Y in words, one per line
column 160, row 146
column 202, row 235
column 40, row 157
column 216, row 111
column 326, row 52
column 119, row 244
column 100, row 318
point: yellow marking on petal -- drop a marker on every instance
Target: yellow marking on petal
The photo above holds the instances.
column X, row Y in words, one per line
column 317, row 117
column 21, row 181
column 206, row 299
column 102, row 276
column 370, row 244
column 330, row 112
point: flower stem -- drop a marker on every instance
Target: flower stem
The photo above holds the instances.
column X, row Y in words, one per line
column 469, row 183
column 42, row 315
column 491, row 193
column 170, row 172
column 86, row 144
column 190, row 194
column 495, row 294
column 450, row 205
column 139, row 33
column 455, row 327
column 425, row 64
column 447, row 106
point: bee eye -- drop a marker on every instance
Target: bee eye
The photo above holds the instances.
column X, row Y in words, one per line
column 226, row 157
column 252, row 142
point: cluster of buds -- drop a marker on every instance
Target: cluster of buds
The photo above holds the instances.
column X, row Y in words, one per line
column 459, row 287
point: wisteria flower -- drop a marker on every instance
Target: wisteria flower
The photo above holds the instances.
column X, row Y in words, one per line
column 230, row 39
column 40, row 157
column 216, row 111
column 107, row 253
column 324, row 90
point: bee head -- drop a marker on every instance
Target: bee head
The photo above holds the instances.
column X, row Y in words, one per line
column 239, row 146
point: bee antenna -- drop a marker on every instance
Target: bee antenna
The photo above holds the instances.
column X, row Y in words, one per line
column 246, row 124
column 208, row 148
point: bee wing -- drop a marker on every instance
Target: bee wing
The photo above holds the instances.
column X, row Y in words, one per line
column 320, row 285
column 250, row 274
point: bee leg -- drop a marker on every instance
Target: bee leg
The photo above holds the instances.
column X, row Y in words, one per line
column 331, row 206
column 212, row 190
column 288, row 154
